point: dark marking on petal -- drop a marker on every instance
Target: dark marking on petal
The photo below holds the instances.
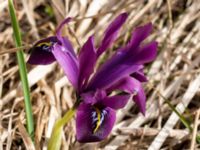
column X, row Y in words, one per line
column 46, row 44
column 41, row 52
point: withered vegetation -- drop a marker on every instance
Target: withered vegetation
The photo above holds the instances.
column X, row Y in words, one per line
column 175, row 73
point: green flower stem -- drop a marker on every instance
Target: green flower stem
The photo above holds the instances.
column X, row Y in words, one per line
column 56, row 136
column 22, row 70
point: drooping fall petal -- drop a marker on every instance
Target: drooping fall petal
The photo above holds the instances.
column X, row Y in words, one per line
column 93, row 124
column 41, row 52
column 132, row 86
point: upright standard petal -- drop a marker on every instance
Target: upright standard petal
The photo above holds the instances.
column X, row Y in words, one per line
column 68, row 63
column 129, row 56
column 131, row 85
column 106, row 77
column 65, row 42
column 111, row 32
column 147, row 53
column 140, row 54
column 117, row 67
column 139, row 34
column 93, row 124
column 87, row 60
column 59, row 28
column 41, row 52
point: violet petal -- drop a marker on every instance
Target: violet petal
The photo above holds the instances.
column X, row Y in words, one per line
column 68, row 63
column 140, row 76
column 86, row 121
column 65, row 42
column 111, row 32
column 93, row 97
column 106, row 77
column 125, row 61
column 147, row 53
column 116, row 101
column 88, row 97
column 117, row 67
column 61, row 25
column 131, row 85
column 87, row 60
column 140, row 99
column 41, row 51
column 139, row 34
column 125, row 84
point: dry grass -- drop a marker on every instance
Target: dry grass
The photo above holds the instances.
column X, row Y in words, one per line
column 175, row 73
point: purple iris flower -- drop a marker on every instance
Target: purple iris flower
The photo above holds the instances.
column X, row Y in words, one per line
column 103, row 91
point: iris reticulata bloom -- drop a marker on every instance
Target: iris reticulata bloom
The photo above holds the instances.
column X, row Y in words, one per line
column 107, row 89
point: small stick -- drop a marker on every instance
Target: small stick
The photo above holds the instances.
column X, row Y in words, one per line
column 13, row 50
column 170, row 15
column 177, row 134
column 194, row 134
column 25, row 137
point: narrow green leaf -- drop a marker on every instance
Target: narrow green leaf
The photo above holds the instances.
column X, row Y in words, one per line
column 198, row 139
column 22, row 69
column 181, row 117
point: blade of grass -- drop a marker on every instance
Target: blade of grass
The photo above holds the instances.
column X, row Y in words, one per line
column 22, row 70
column 181, row 117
